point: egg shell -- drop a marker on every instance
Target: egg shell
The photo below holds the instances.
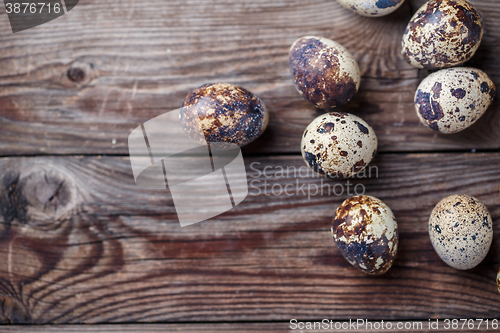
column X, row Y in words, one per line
column 442, row 33
column 372, row 8
column 366, row 234
column 450, row 100
column 323, row 71
column 461, row 231
column 225, row 113
column 338, row 144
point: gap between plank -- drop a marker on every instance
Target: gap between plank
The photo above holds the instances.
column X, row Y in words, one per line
column 270, row 154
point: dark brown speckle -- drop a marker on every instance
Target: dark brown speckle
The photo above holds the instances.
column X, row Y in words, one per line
column 362, row 128
column 458, row 93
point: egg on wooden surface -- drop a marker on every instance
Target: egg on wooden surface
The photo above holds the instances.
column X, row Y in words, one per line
column 366, row 234
column 461, row 231
column 450, row 100
column 372, row 8
column 324, row 72
column 225, row 113
column 442, row 33
column 338, row 144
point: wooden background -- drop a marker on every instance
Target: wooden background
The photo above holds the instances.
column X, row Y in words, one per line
column 81, row 244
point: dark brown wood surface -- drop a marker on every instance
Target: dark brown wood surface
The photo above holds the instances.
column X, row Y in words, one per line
column 81, row 243
column 141, row 60
column 109, row 252
column 415, row 326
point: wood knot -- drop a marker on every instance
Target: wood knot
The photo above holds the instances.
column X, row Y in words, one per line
column 38, row 195
column 13, row 311
column 79, row 74
column 76, row 74
column 47, row 191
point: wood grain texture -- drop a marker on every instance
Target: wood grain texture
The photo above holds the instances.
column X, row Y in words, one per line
column 213, row 328
column 80, row 84
column 80, row 243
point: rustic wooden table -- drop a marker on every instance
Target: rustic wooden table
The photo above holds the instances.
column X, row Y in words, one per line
column 82, row 244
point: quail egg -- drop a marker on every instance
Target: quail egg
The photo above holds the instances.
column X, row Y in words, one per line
column 225, row 113
column 461, row 231
column 323, row 71
column 366, row 234
column 338, row 144
column 372, row 7
column 442, row 33
column 450, row 100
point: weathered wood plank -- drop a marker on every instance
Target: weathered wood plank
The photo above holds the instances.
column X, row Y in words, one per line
column 80, row 243
column 416, row 326
column 141, row 60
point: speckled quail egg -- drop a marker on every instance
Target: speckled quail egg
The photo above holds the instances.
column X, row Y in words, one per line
column 225, row 113
column 461, row 231
column 450, row 100
column 442, row 33
column 372, row 7
column 323, row 71
column 338, row 144
column 366, row 234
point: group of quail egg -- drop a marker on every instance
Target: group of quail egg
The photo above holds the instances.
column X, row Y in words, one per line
column 440, row 35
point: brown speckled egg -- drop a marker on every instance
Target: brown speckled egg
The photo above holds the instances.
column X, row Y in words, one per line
column 461, row 231
column 450, row 100
column 323, row 71
column 366, row 233
column 442, row 33
column 372, row 8
column 338, row 144
column 225, row 112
